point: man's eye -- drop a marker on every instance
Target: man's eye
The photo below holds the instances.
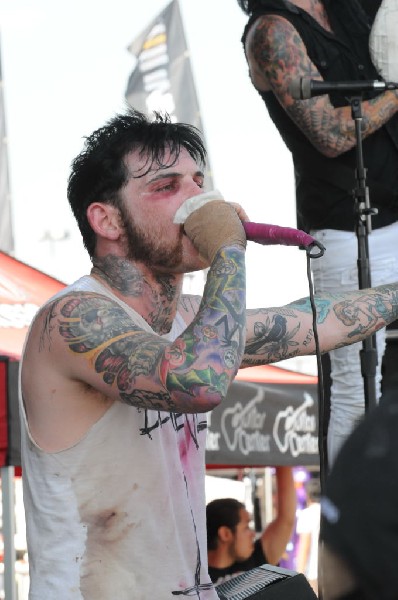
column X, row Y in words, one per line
column 166, row 187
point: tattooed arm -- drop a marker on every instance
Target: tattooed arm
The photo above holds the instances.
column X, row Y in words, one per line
column 92, row 340
column 276, row 56
column 278, row 333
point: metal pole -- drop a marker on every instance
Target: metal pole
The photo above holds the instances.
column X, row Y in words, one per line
column 8, row 500
column 368, row 354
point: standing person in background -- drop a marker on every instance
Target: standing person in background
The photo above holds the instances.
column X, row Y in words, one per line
column 308, row 522
column 285, row 41
column 231, row 548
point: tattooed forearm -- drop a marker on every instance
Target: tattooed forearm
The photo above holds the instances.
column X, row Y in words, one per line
column 367, row 312
column 272, row 338
column 208, row 354
column 330, row 130
column 343, row 318
column 323, row 307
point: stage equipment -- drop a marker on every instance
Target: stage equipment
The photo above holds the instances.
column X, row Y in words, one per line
column 266, row 583
column 305, row 88
column 364, row 213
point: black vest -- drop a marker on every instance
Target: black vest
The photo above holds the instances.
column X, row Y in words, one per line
column 324, row 186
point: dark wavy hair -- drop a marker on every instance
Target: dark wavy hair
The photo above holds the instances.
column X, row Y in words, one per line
column 99, row 172
column 221, row 512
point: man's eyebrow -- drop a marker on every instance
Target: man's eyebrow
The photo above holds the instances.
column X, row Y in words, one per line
column 161, row 175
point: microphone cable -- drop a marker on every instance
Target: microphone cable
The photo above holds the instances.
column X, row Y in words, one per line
column 321, row 394
column 323, row 466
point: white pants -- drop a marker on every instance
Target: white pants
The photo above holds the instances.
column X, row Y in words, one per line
column 337, row 271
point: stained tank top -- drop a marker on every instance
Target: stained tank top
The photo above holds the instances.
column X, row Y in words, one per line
column 121, row 514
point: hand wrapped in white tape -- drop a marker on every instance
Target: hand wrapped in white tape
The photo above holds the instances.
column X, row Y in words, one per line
column 211, row 224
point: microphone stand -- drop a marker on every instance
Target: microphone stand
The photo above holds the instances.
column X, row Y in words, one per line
column 368, row 354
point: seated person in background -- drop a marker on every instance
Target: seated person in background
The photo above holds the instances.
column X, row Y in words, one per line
column 231, row 548
column 359, row 528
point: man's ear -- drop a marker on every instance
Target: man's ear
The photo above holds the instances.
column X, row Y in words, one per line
column 225, row 534
column 104, row 220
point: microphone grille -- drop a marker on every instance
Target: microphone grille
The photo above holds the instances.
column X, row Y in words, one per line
column 300, row 89
column 306, row 88
column 295, row 89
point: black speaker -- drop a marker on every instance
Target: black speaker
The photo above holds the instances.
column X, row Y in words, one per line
column 266, row 583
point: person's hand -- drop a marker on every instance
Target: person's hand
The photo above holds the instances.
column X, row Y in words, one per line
column 213, row 226
column 242, row 214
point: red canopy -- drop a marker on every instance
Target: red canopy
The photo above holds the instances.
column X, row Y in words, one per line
column 23, row 290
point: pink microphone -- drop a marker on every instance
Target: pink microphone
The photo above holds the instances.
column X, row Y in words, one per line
column 261, row 233
column 265, row 234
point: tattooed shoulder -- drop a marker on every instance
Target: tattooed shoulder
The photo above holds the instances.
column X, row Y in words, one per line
column 84, row 320
column 47, row 315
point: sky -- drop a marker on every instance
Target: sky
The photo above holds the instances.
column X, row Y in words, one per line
column 65, row 69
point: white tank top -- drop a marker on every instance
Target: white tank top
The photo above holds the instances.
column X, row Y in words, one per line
column 120, row 515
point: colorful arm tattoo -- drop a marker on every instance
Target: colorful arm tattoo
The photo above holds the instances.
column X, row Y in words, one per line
column 146, row 370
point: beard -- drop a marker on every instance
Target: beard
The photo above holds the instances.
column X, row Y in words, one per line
column 148, row 249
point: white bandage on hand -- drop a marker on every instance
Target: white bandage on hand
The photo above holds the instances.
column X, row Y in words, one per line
column 210, row 223
column 194, row 203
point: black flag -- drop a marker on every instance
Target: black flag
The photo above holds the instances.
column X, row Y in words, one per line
column 162, row 80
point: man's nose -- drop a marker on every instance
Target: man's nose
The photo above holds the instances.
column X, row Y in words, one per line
column 194, row 187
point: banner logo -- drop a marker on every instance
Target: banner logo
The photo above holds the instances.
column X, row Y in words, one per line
column 295, row 430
